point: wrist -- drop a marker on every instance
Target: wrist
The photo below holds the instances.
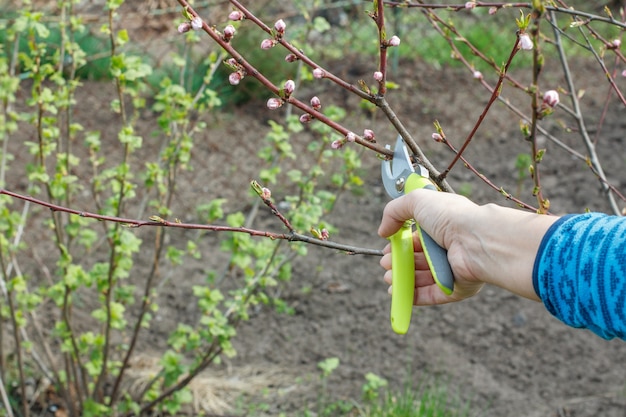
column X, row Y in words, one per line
column 501, row 245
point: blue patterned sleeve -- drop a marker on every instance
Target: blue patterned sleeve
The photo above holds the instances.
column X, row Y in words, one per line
column 580, row 273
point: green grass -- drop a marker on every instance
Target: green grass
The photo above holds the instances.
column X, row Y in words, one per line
column 434, row 399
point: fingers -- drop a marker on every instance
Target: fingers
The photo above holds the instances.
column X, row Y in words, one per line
column 421, row 264
column 423, row 278
column 439, row 214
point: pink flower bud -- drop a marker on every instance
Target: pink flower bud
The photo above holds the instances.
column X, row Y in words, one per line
column 368, row 134
column 316, row 103
column 234, row 78
column 306, row 118
column 624, row 73
column 394, row 41
column 289, row 87
column 616, row 43
column 266, row 193
column 337, row 144
column 324, row 235
column 280, row 26
column 274, row 103
column 268, row 43
column 184, row 27
column 291, row 58
column 551, row 98
column 196, row 23
column 478, row 75
column 318, row 73
column 236, row 15
column 229, row 32
column 493, row 10
column 470, row 5
column 350, row 137
column 378, row 76
column 437, row 137
column 525, row 42
column 232, row 62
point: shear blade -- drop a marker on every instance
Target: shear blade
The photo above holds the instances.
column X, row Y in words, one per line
column 395, row 171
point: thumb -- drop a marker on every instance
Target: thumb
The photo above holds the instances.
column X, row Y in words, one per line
column 436, row 213
column 396, row 213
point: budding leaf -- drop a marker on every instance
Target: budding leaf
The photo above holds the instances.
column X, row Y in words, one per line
column 316, row 233
column 256, row 187
column 186, row 14
column 157, row 219
column 363, row 86
column 539, row 155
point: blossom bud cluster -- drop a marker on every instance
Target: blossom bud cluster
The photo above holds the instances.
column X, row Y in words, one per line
column 184, row 27
column 319, row 73
column 437, row 137
column 280, row 26
column 525, row 42
column 236, row 16
column 268, row 43
column 229, row 32
column 368, row 135
column 238, row 71
column 317, row 105
column 550, row 101
column 289, row 87
column 279, row 30
column 551, row 98
column 393, row 41
column 274, row 103
column 195, row 24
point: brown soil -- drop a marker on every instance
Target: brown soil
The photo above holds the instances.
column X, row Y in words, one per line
column 506, row 355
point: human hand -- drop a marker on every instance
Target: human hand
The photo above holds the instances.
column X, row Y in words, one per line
column 427, row 292
column 486, row 244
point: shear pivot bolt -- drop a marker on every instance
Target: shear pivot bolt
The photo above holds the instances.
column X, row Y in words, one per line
column 400, row 184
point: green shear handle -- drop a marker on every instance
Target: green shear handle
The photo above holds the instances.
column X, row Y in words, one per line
column 403, row 263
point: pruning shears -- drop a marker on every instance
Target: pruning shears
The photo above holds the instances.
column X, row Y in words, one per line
column 400, row 177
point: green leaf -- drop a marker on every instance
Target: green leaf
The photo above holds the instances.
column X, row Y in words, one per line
column 328, row 366
column 122, row 37
column 235, row 219
column 320, row 24
column 212, row 211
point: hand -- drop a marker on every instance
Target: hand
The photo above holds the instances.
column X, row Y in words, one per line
column 486, row 244
column 426, row 290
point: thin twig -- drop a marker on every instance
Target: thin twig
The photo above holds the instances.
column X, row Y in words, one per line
column 159, row 222
column 593, row 156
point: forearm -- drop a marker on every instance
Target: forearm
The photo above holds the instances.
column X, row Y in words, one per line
column 580, row 273
column 501, row 245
